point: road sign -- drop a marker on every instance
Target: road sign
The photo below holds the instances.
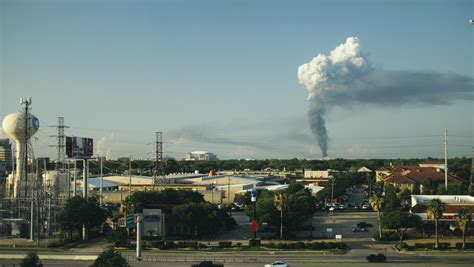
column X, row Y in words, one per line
column 130, row 220
column 122, row 222
column 338, row 237
column 253, row 195
column 328, row 229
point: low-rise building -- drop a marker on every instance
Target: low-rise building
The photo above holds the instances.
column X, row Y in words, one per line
column 452, row 205
column 409, row 177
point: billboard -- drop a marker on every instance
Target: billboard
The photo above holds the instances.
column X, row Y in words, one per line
column 79, row 147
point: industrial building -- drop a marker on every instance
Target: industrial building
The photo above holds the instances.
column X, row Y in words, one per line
column 201, row 155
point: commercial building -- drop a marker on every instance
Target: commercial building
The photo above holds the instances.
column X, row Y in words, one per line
column 5, row 157
column 410, row 177
column 201, row 155
column 452, row 205
column 317, row 178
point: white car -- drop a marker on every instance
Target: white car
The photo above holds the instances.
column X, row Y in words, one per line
column 278, row 264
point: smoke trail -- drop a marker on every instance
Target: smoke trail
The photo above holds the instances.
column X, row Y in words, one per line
column 318, row 127
column 346, row 77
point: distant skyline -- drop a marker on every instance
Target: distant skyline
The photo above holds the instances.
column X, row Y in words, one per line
column 221, row 76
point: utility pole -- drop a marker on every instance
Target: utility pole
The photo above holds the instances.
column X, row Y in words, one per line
column 139, row 218
column 75, row 179
column 130, row 176
column 101, row 182
column 472, row 170
column 85, row 191
column 332, row 190
column 446, row 160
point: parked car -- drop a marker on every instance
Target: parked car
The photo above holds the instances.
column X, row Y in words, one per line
column 277, row 264
column 365, row 207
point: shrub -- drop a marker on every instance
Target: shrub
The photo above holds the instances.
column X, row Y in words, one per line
column 376, row 258
column 118, row 237
column 424, row 245
column 282, row 246
column 291, row 245
column 157, row 244
column 169, row 244
column 271, row 245
column 402, row 246
column 300, row 245
column 315, row 246
column 225, row 244
column 191, row 244
column 444, row 245
column 109, row 258
column 31, row 260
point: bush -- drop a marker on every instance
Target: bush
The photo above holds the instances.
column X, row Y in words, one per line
column 469, row 245
column 315, row 246
column 225, row 244
column 300, row 245
column 424, row 245
column 376, row 258
column 157, row 244
column 444, row 245
column 31, row 260
column 282, row 246
column 118, row 237
column 402, row 246
column 254, row 242
column 169, row 244
column 270, row 245
column 110, row 258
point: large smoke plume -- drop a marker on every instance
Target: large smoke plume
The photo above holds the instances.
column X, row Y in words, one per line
column 346, row 77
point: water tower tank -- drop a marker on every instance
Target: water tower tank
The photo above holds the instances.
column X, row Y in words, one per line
column 20, row 127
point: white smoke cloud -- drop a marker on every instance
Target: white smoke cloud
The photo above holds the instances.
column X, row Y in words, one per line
column 346, row 77
column 104, row 146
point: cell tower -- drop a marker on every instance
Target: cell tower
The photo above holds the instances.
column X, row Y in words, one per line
column 61, row 138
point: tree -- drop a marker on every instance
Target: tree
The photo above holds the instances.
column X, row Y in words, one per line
column 377, row 202
column 463, row 218
column 435, row 212
column 110, row 258
column 391, row 201
column 78, row 212
column 31, row 260
column 399, row 221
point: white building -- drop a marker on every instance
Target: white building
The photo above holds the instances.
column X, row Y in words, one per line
column 201, row 155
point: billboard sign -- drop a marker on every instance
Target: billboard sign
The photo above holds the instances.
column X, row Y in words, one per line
column 79, row 147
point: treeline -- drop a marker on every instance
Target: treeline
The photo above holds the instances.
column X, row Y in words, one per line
column 458, row 166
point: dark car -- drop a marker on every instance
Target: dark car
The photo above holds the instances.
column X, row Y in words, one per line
column 364, row 225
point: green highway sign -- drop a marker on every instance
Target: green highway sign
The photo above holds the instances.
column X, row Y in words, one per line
column 130, row 220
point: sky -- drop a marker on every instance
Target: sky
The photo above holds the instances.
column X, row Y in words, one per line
column 221, row 76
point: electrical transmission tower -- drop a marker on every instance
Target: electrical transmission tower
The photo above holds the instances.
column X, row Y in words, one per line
column 158, row 154
column 61, row 138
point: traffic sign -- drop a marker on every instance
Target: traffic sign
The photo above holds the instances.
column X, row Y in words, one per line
column 130, row 220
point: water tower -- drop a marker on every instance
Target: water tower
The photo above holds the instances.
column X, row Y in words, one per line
column 20, row 126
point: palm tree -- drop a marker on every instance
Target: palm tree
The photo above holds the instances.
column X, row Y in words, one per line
column 463, row 218
column 435, row 212
column 377, row 202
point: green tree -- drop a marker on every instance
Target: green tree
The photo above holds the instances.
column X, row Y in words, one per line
column 399, row 221
column 78, row 212
column 392, row 202
column 31, row 260
column 110, row 258
column 435, row 212
column 377, row 202
column 430, row 187
column 463, row 218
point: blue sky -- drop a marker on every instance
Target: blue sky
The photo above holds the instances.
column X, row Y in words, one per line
column 221, row 75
